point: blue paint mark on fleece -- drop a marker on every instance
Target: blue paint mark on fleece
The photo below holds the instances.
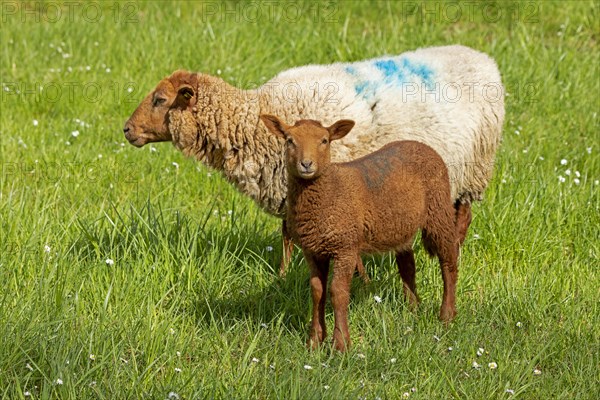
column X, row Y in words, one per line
column 393, row 72
column 390, row 70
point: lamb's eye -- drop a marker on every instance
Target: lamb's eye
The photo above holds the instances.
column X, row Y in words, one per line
column 289, row 142
column 324, row 141
column 158, row 101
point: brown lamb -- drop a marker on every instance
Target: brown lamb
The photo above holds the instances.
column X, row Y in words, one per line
column 374, row 204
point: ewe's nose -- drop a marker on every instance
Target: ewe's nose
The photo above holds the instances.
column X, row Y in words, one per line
column 306, row 164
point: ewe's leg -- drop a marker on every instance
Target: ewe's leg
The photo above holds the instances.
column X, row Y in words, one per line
column 463, row 219
column 406, row 267
column 319, row 269
column 361, row 270
column 340, row 298
column 288, row 249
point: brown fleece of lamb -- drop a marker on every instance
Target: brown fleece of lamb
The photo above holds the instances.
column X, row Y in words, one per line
column 373, row 204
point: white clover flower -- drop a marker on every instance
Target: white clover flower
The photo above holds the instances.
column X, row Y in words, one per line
column 47, row 249
column 561, row 178
column 255, row 360
column 326, row 387
column 476, row 236
column 377, row 299
column 480, row 351
column 589, row 150
column 269, row 248
column 308, row 367
column 87, row 68
column 576, row 181
column 92, row 357
column 152, row 149
column 75, row 133
column 178, row 353
column 393, row 360
column 26, row 393
column 519, row 324
column 361, row 356
column 577, row 174
column 596, row 182
column 58, row 381
column 542, row 158
column 178, row 370
column 537, row 372
column 509, row 391
column 229, row 212
column 99, row 156
column 110, row 262
column 173, row 396
column 475, row 365
column 171, row 331
column 517, row 132
column 563, row 161
column 450, row 348
column 405, row 395
column 107, row 70
column 263, row 325
column 35, row 122
column 493, row 365
column 568, row 172
column 219, row 72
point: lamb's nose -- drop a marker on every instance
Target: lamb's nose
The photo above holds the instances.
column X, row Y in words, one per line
column 125, row 129
column 306, row 163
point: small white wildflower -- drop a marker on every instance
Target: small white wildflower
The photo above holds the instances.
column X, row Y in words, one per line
column 173, row 396
column 405, row 395
column 561, row 178
column 596, row 182
column 110, row 262
column 519, row 324
column 493, row 365
column 308, row 367
column 509, row 391
column 75, row 133
column 129, row 89
column 480, row 351
column 272, row 366
column 229, row 212
column 503, row 180
column 107, row 70
column 450, row 348
column 517, row 132
column 255, row 360
column 326, row 387
column 87, row 68
column 377, row 299
column 576, row 181
column 263, row 325
column 68, row 143
column 324, row 365
column 29, row 367
column 58, row 381
column 393, row 360
column 171, row 331
column 175, row 165
column 413, row 389
column 436, row 338
column 476, row 236
column 361, row 356
column 47, row 249
column 537, row 372
column 563, row 161
column 475, row 365
column 269, row 248
column 589, row 150
column 99, row 156
column 178, row 370
column 124, row 361
column 568, row 172
column 218, row 72
column 92, row 357
column 26, row 393
column 35, row 122
column 96, row 43
column 178, row 353
column 577, row 174
column 92, row 383
column 525, row 151
column 152, row 149
column 542, row 158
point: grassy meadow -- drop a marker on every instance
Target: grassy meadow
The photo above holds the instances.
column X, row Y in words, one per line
column 132, row 273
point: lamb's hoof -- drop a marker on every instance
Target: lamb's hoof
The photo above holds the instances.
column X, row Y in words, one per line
column 341, row 345
column 447, row 315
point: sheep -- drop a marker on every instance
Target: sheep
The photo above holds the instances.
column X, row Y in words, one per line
column 373, row 204
column 449, row 97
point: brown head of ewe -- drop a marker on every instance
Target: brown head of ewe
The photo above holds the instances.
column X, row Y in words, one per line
column 377, row 203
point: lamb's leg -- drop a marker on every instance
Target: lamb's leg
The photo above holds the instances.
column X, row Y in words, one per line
column 319, row 270
column 361, row 270
column 463, row 219
column 406, row 267
column 288, row 249
column 340, row 298
column 450, row 276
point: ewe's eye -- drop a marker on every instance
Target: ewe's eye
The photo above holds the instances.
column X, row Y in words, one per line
column 158, row 101
column 290, row 142
column 324, row 141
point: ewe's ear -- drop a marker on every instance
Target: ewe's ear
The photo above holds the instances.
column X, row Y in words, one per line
column 340, row 129
column 274, row 125
column 185, row 96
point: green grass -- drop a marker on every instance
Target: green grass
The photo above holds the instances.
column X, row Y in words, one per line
column 194, row 286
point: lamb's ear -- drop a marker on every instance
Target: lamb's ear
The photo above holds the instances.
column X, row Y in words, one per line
column 185, row 96
column 340, row 129
column 274, row 125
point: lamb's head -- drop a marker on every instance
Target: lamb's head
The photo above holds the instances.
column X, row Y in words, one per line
column 307, row 143
column 150, row 121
